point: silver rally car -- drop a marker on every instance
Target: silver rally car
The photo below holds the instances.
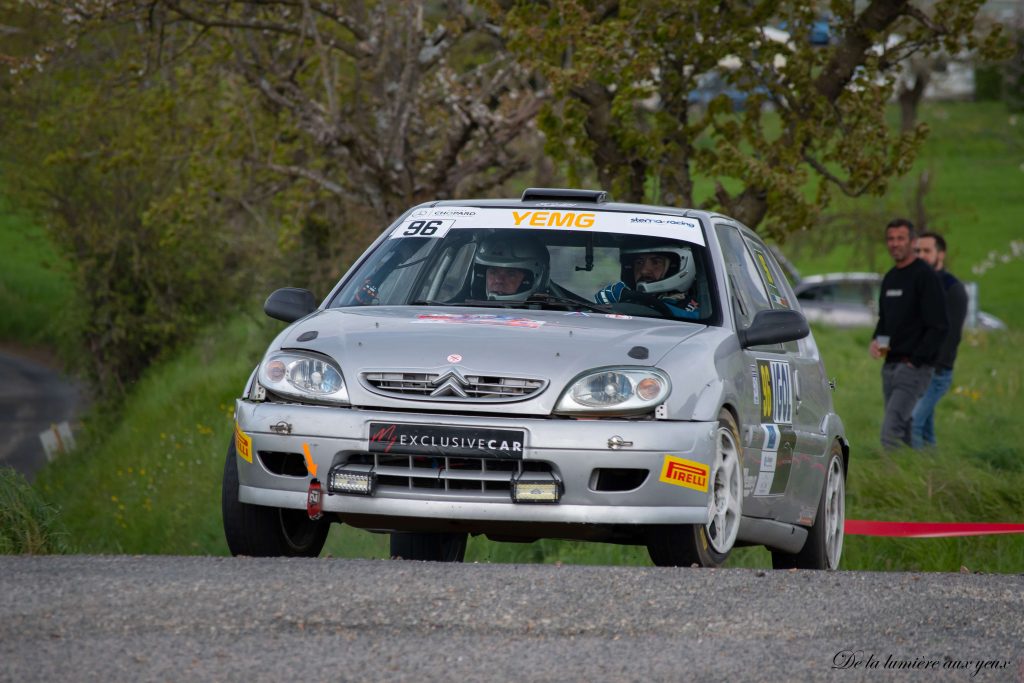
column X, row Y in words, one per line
column 558, row 366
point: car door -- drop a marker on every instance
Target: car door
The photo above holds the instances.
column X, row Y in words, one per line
column 767, row 442
column 780, row 430
column 800, row 417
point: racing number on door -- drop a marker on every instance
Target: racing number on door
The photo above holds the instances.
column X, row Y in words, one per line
column 776, row 391
column 766, row 392
column 422, row 228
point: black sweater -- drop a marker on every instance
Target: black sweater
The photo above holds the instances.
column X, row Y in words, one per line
column 912, row 311
column 956, row 311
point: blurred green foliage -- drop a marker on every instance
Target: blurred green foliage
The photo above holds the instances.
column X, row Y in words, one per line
column 35, row 285
column 142, row 179
column 660, row 94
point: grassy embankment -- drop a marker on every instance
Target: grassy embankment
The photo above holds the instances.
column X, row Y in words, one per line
column 34, row 288
column 151, row 484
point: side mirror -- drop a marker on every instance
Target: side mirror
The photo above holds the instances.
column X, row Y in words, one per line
column 289, row 304
column 774, row 327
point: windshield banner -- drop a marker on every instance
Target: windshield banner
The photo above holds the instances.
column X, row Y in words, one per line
column 436, row 222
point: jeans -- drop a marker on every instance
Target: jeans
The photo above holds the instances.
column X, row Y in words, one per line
column 902, row 386
column 923, row 431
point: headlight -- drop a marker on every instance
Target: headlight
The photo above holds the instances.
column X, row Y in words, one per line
column 303, row 375
column 615, row 391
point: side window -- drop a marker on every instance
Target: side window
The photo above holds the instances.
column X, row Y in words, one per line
column 394, row 268
column 850, row 293
column 457, row 273
column 774, row 281
column 746, row 290
column 771, row 275
column 817, row 293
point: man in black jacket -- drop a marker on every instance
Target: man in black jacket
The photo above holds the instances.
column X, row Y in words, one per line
column 911, row 328
column 931, row 248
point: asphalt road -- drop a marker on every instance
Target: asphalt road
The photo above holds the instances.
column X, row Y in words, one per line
column 83, row 618
column 32, row 398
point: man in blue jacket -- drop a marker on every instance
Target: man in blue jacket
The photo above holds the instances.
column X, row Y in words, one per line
column 931, row 248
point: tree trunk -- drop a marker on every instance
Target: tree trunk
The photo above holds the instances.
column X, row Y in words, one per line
column 910, row 97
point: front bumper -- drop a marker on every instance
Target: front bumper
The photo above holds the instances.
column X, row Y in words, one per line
column 572, row 451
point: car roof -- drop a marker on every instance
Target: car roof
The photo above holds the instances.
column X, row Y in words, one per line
column 556, row 198
column 827, row 278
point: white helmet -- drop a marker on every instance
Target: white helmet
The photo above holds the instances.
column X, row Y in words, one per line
column 678, row 278
column 525, row 253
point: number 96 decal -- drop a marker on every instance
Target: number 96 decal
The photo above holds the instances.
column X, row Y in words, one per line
column 423, row 228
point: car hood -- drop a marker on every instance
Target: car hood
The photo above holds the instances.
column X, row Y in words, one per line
column 551, row 345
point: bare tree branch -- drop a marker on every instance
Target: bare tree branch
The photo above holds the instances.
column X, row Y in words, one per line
column 843, row 185
column 307, row 174
column 285, row 29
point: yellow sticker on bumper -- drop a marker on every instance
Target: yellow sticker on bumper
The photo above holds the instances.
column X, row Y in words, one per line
column 685, row 473
column 243, row 444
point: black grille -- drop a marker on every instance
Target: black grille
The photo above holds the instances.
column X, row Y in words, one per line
column 432, row 386
column 438, row 473
column 287, row 464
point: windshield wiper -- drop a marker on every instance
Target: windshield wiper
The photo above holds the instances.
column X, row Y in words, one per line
column 430, row 302
column 544, row 298
column 467, row 302
column 535, row 300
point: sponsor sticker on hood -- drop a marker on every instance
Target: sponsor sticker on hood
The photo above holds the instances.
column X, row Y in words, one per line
column 503, row 320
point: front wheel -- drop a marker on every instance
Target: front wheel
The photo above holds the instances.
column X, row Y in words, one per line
column 260, row 531
column 824, row 544
column 429, row 546
column 708, row 545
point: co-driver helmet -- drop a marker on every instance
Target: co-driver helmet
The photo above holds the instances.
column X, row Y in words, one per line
column 678, row 277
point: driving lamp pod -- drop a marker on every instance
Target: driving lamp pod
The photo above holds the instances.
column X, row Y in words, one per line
column 303, row 375
column 615, row 390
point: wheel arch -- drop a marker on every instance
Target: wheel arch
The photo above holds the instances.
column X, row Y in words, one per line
column 727, row 406
column 844, row 445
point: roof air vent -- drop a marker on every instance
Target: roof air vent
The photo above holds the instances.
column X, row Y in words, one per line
column 564, row 195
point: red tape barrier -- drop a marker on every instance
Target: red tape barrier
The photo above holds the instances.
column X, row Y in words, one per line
column 861, row 527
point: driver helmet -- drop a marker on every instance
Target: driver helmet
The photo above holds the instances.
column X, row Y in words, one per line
column 678, row 277
column 525, row 253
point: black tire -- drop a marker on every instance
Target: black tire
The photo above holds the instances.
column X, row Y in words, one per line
column 824, row 545
column 260, row 531
column 432, row 547
column 685, row 545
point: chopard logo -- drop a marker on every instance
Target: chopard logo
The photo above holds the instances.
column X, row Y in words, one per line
column 451, row 383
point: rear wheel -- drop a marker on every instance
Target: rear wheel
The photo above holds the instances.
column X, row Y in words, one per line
column 429, row 546
column 260, row 531
column 824, row 545
column 708, row 545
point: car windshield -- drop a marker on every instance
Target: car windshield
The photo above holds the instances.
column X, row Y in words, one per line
column 653, row 266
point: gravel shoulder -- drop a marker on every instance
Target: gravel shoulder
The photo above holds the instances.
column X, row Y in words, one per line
column 205, row 618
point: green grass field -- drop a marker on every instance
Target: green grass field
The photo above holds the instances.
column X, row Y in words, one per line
column 149, row 481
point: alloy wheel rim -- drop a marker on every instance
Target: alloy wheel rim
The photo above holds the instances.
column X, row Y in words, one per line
column 835, row 513
column 726, row 496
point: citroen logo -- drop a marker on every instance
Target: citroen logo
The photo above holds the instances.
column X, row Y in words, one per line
column 450, row 383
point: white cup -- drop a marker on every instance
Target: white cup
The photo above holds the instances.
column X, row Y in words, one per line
column 883, row 343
